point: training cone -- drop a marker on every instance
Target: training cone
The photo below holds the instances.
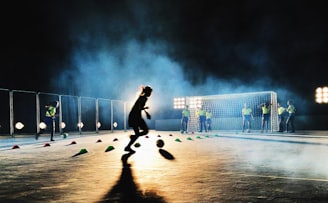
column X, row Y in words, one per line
column 177, row 140
column 207, row 136
column 137, row 144
column 170, row 135
column 189, row 138
column 15, row 146
column 99, row 140
column 216, row 135
column 158, row 135
column 82, row 151
column 115, row 139
column 109, row 148
column 73, row 142
column 147, row 136
column 198, row 137
column 46, row 145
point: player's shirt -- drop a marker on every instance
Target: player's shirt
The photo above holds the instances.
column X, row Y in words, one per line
column 185, row 113
column 281, row 110
column 246, row 111
column 291, row 109
column 265, row 109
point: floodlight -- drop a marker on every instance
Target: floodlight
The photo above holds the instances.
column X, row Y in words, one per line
column 321, row 95
column 179, row 103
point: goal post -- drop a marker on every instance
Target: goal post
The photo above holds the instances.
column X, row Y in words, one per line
column 226, row 110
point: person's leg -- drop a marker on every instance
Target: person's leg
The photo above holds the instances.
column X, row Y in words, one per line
column 133, row 138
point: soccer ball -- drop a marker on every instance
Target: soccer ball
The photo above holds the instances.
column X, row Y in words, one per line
column 64, row 135
column 159, row 143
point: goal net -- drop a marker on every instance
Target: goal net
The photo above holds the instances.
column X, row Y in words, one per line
column 226, row 110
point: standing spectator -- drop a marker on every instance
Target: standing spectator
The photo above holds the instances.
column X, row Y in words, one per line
column 209, row 120
column 281, row 117
column 50, row 118
column 291, row 116
column 202, row 119
column 265, row 116
column 247, row 115
column 185, row 119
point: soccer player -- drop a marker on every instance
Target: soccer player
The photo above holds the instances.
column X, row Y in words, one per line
column 135, row 118
column 265, row 116
column 185, row 119
column 291, row 116
column 247, row 114
column 281, row 117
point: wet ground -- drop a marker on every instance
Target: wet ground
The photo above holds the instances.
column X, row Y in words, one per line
column 189, row 168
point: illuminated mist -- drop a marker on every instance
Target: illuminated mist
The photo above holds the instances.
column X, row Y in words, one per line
column 117, row 48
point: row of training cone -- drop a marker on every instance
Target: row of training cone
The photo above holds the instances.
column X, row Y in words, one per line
column 84, row 150
column 48, row 145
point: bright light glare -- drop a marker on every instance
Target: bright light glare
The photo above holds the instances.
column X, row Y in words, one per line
column 80, row 125
column 42, row 125
column 195, row 102
column 19, row 125
column 321, row 95
column 179, row 103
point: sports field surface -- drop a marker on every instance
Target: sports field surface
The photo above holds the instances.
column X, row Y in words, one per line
column 189, row 168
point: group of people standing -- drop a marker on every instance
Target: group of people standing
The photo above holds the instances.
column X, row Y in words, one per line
column 286, row 117
column 204, row 117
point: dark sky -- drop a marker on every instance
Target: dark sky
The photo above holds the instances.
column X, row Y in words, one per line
column 61, row 45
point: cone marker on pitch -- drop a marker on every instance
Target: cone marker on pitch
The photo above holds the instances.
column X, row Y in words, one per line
column 189, row 138
column 177, row 140
column 137, row 144
column 198, row 137
column 15, row 146
column 109, row 148
column 115, row 139
column 73, row 142
column 46, row 145
column 82, row 151
column 99, row 140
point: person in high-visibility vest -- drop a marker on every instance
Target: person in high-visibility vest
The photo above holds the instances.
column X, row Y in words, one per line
column 50, row 118
column 291, row 116
column 281, row 117
column 247, row 115
column 266, row 108
column 185, row 119
column 202, row 119
column 208, row 120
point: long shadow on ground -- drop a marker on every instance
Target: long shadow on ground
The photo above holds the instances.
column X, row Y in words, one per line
column 127, row 191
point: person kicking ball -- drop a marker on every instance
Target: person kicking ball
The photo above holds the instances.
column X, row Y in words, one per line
column 135, row 117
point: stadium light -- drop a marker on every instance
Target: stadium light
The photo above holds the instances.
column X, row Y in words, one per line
column 321, row 95
column 179, row 103
column 195, row 102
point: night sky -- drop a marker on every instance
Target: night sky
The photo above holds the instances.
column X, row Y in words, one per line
column 106, row 48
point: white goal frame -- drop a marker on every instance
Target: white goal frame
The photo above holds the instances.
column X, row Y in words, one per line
column 226, row 110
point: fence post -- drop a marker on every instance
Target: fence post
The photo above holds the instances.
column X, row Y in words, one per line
column 11, row 112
